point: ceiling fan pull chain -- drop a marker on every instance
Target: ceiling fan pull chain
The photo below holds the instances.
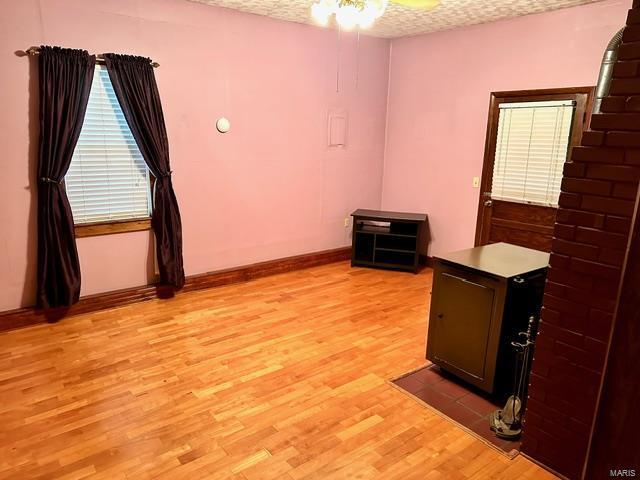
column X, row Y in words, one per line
column 357, row 59
column 338, row 60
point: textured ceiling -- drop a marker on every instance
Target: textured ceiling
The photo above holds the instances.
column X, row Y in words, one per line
column 401, row 21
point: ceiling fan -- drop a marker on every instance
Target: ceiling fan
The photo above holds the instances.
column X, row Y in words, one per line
column 360, row 13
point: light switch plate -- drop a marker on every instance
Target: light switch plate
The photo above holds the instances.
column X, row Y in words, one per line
column 476, row 182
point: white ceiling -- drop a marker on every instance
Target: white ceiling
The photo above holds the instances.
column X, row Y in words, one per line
column 401, row 21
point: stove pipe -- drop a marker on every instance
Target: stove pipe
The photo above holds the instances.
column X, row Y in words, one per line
column 606, row 69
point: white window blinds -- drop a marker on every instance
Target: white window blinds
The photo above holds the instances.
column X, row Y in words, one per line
column 108, row 178
column 531, row 149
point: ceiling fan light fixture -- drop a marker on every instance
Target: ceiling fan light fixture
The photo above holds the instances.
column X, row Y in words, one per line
column 321, row 12
column 349, row 13
column 348, row 17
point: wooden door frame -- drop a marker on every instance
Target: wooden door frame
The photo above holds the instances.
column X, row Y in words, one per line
column 583, row 96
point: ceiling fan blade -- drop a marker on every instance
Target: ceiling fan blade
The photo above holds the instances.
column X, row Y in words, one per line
column 421, row 4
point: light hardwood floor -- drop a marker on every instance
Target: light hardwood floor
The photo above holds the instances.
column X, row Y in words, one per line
column 279, row 378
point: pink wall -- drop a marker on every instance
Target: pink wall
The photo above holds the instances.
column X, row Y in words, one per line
column 271, row 188
column 439, row 97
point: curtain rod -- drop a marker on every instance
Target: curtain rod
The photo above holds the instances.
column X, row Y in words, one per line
column 99, row 59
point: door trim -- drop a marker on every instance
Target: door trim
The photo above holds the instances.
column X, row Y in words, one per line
column 583, row 97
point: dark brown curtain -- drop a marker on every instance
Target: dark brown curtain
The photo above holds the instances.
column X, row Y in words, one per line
column 135, row 86
column 65, row 78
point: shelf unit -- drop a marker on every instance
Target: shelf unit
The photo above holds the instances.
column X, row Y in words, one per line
column 387, row 239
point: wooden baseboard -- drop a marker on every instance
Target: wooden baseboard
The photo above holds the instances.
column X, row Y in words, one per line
column 426, row 261
column 27, row 316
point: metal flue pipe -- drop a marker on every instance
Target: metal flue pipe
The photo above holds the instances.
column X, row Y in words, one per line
column 606, row 70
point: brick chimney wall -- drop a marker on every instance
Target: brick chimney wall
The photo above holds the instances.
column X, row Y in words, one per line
column 590, row 236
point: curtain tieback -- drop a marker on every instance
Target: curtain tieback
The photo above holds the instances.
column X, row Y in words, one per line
column 166, row 175
column 49, row 180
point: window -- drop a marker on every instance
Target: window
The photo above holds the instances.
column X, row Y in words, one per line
column 532, row 145
column 108, row 180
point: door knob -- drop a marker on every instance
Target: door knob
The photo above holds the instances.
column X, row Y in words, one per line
column 488, row 203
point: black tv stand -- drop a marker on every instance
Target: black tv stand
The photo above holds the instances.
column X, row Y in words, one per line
column 387, row 239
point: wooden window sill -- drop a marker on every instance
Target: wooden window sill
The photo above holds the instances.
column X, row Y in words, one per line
column 107, row 228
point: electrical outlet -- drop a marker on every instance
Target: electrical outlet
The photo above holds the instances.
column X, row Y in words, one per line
column 476, row 182
column 346, row 222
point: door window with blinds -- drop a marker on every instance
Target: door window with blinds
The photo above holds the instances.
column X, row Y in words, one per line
column 532, row 144
column 108, row 179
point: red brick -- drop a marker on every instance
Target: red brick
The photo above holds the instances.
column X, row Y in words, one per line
column 632, row 157
column 573, row 321
column 612, row 256
column 558, row 261
column 545, row 346
column 574, row 169
column 600, row 316
column 555, row 412
column 574, row 406
column 574, row 249
column 584, row 383
column 617, row 224
column 564, row 305
column 631, row 34
column 624, row 86
column 600, row 301
column 600, row 237
column 544, row 349
column 625, row 190
column 599, row 324
column 612, row 105
column 592, row 138
column 542, row 370
column 553, row 452
column 548, row 412
column 564, row 231
column 597, row 154
column 595, row 347
column 584, row 358
column 632, row 104
column 556, row 289
column 569, row 200
column 625, row 69
column 596, row 269
column 633, row 18
column 553, row 362
column 567, row 277
column 577, row 217
column 615, row 121
column 615, row 206
column 606, row 289
column 622, row 139
column 595, row 187
column 623, row 173
column 629, row 51
column 573, row 354
column 581, row 428
column 529, row 442
column 592, row 300
column 533, row 420
column 550, row 316
column 593, row 375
